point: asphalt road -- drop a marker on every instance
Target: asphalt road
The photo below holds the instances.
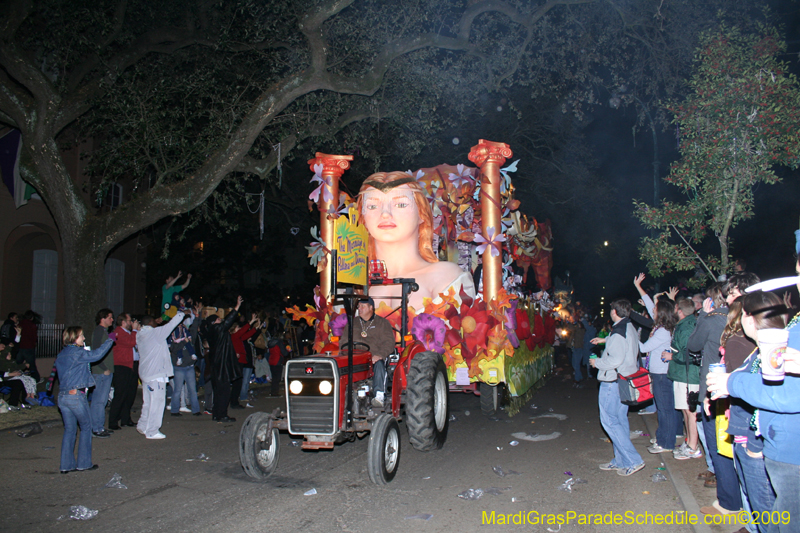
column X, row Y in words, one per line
column 168, row 490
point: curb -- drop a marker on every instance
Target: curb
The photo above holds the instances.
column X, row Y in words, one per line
column 688, row 500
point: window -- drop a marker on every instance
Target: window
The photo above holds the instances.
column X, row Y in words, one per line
column 44, row 286
column 115, row 285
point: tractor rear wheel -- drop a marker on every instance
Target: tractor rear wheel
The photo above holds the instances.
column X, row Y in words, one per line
column 259, row 446
column 427, row 406
column 383, row 450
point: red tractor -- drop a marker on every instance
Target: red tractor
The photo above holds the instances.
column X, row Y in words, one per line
column 328, row 401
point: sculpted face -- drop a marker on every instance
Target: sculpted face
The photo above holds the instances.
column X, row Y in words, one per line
column 391, row 216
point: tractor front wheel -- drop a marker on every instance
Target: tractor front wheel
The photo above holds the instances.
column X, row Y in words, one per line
column 427, row 407
column 383, row 450
column 259, row 446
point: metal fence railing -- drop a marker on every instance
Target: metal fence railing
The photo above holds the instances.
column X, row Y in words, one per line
column 49, row 340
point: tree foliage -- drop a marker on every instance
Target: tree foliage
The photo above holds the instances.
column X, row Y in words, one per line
column 177, row 96
column 740, row 121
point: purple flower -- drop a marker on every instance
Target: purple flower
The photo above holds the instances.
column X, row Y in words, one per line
column 511, row 323
column 430, row 331
column 491, row 241
column 464, row 176
column 338, row 324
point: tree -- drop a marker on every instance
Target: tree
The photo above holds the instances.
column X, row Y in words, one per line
column 740, row 120
column 177, row 96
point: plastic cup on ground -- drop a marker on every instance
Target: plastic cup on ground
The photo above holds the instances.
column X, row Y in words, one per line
column 771, row 345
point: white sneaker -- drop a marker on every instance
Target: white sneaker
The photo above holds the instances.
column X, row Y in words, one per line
column 249, row 406
column 378, row 400
column 141, row 431
column 158, row 435
column 185, row 410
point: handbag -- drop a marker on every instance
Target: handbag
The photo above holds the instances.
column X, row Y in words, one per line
column 636, row 388
column 261, row 341
column 724, row 440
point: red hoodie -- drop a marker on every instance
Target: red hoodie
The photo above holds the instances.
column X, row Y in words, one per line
column 239, row 338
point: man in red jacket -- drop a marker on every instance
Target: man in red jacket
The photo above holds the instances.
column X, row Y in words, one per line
column 125, row 379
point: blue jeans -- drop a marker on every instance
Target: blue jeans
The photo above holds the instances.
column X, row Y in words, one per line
column 379, row 376
column 580, row 356
column 785, row 479
column 184, row 375
column 664, row 397
column 102, row 385
column 755, row 481
column 701, row 434
column 75, row 412
column 727, row 482
column 614, row 419
column 246, row 373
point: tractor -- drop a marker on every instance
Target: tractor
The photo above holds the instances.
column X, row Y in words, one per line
column 328, row 401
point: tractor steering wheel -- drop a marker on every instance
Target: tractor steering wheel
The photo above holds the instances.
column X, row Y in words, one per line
column 364, row 345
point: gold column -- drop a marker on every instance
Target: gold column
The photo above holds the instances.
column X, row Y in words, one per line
column 333, row 166
column 490, row 157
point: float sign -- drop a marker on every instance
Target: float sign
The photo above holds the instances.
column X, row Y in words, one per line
column 351, row 250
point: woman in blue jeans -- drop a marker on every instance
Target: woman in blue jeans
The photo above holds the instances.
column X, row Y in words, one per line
column 74, row 380
column 664, row 322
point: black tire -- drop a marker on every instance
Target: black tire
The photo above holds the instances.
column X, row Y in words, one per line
column 383, row 450
column 427, row 402
column 259, row 448
column 491, row 398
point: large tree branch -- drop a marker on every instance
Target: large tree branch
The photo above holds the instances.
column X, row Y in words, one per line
column 311, row 26
column 13, row 103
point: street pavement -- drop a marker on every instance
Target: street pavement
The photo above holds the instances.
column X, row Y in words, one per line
column 169, row 489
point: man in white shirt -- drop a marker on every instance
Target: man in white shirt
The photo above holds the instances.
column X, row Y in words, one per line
column 155, row 369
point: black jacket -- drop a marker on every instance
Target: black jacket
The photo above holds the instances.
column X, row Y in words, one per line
column 223, row 359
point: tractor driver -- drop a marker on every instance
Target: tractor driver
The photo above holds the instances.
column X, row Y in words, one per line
column 376, row 332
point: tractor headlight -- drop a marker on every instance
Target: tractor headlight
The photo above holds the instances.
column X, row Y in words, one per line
column 325, row 387
column 296, row 386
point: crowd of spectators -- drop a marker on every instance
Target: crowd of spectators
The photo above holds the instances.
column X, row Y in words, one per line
column 746, row 425
column 186, row 355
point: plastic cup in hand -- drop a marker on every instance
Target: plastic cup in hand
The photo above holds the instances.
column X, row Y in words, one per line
column 771, row 345
column 717, row 368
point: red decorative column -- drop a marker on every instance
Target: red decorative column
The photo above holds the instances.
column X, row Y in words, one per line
column 490, row 157
column 333, row 166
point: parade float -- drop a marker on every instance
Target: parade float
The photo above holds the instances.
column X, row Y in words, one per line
column 497, row 341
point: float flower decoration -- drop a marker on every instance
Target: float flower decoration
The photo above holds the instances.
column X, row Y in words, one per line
column 318, row 251
column 430, row 331
column 491, row 241
column 338, row 324
column 511, row 324
column 462, row 177
column 321, row 189
column 345, row 203
column 319, row 317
